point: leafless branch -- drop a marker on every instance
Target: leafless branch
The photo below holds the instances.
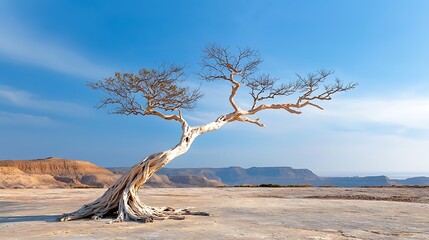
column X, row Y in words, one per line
column 240, row 68
column 264, row 87
column 219, row 63
column 159, row 91
column 149, row 92
column 254, row 121
column 309, row 87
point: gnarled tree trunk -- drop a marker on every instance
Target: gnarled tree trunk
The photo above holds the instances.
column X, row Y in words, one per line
column 157, row 91
column 122, row 198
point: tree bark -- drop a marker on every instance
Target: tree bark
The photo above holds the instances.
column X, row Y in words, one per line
column 122, row 198
column 160, row 91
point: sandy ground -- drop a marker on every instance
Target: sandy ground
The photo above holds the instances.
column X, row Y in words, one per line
column 236, row 213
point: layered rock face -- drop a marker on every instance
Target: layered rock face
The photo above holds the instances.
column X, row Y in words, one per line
column 62, row 173
column 12, row 177
column 53, row 172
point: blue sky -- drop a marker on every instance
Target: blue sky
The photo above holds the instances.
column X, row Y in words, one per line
column 50, row 49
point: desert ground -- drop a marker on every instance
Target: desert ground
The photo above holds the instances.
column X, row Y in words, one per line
column 236, row 213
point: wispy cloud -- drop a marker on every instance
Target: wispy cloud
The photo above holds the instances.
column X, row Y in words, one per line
column 377, row 134
column 404, row 117
column 394, row 114
column 28, row 100
column 9, row 118
column 406, row 113
column 24, row 45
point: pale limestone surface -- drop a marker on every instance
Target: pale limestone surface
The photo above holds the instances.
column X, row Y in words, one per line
column 237, row 213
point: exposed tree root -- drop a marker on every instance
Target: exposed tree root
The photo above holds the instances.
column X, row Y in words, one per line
column 148, row 214
column 158, row 213
column 127, row 207
column 121, row 199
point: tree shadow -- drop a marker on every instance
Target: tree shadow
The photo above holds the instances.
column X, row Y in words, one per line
column 33, row 218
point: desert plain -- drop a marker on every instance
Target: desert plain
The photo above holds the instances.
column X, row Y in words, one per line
column 235, row 213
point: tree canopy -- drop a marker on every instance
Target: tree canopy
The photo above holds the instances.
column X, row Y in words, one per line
column 162, row 91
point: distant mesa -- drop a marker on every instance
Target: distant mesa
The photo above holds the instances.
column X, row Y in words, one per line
column 419, row 181
column 239, row 176
column 280, row 176
column 161, row 179
column 55, row 172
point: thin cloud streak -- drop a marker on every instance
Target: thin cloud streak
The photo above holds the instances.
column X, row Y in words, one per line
column 10, row 118
column 407, row 113
column 23, row 45
column 27, row 100
column 389, row 115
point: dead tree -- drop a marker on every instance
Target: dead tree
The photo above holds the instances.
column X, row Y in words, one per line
column 159, row 92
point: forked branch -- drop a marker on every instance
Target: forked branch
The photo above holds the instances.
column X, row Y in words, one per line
column 149, row 92
column 240, row 68
column 220, row 63
column 264, row 87
column 309, row 87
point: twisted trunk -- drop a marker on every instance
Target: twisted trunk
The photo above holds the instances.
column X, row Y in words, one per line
column 162, row 93
column 122, row 198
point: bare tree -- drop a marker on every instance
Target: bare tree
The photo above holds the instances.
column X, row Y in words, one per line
column 159, row 92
